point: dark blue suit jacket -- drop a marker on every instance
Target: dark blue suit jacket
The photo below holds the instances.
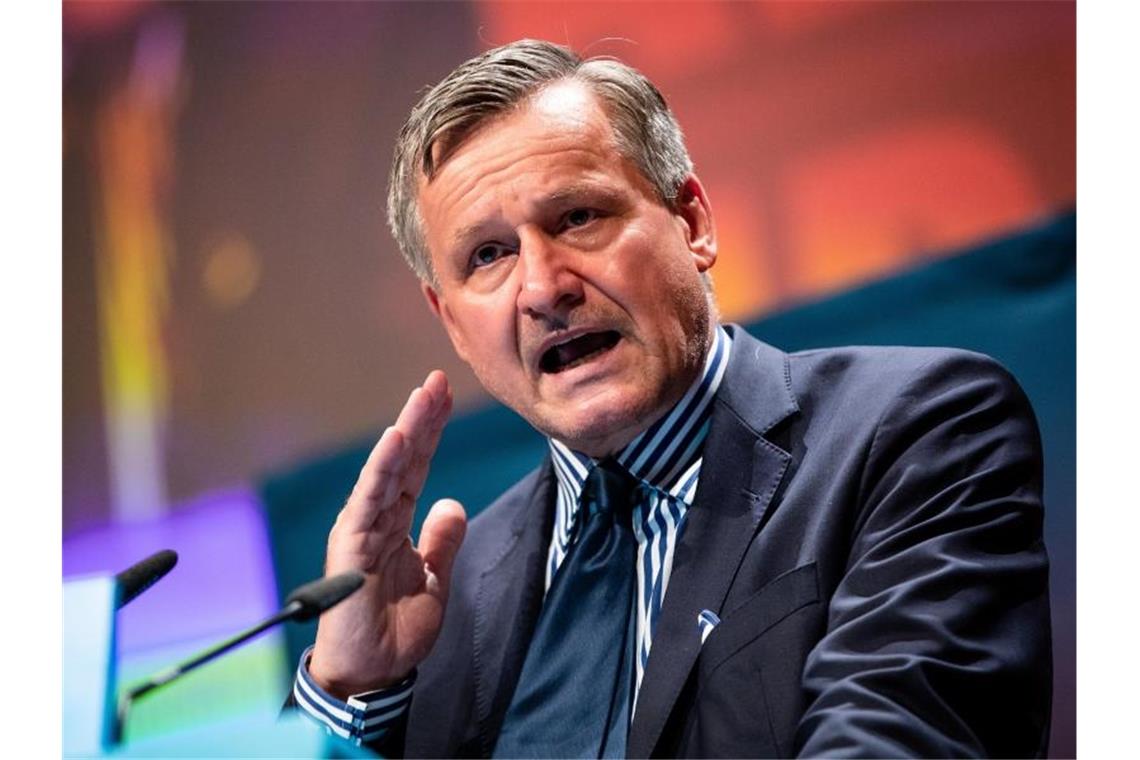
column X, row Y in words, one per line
column 868, row 528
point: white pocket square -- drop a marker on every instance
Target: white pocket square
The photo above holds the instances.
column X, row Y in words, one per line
column 706, row 621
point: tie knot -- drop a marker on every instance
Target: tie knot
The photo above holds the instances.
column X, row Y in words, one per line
column 609, row 489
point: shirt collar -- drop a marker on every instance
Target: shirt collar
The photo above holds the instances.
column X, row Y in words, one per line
column 664, row 453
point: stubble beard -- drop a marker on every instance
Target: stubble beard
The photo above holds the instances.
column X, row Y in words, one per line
column 608, row 433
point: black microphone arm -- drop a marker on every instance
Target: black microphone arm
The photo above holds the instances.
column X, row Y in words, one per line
column 143, row 574
column 305, row 603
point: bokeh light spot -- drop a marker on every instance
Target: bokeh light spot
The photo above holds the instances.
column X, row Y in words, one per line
column 232, row 272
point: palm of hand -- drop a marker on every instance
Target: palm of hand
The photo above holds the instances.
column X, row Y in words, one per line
column 379, row 635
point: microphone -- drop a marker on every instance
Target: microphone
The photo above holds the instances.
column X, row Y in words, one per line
column 315, row 597
column 143, row 574
column 304, row 603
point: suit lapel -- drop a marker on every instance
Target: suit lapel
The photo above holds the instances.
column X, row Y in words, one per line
column 508, row 600
column 740, row 473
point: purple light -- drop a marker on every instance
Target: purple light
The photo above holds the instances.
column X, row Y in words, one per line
column 224, row 579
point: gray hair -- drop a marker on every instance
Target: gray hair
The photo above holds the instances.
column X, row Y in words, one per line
column 504, row 79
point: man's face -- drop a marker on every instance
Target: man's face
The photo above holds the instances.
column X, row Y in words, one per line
column 572, row 292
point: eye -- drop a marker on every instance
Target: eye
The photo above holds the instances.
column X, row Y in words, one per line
column 488, row 254
column 580, row 217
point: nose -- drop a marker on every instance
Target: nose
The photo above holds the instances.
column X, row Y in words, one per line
column 550, row 286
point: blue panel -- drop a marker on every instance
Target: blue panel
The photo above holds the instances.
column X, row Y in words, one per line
column 88, row 664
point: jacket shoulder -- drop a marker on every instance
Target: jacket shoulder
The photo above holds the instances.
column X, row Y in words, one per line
column 866, row 375
column 884, row 364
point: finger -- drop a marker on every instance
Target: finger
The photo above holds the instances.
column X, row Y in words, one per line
column 415, row 425
column 436, row 384
column 438, row 395
column 424, row 438
column 440, row 539
column 420, row 410
column 441, row 390
column 396, row 469
column 386, row 463
column 378, row 485
column 393, row 523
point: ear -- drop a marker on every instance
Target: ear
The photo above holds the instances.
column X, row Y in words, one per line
column 438, row 307
column 693, row 209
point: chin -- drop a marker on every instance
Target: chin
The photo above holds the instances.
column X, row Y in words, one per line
column 604, row 426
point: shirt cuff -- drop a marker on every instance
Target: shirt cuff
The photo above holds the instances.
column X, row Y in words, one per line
column 365, row 717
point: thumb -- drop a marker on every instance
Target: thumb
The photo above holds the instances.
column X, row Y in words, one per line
column 440, row 538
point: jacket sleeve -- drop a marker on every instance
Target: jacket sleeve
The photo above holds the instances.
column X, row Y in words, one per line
column 938, row 635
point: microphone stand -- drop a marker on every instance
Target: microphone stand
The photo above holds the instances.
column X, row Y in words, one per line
column 166, row 676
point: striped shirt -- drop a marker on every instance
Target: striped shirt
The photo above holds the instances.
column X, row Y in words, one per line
column 667, row 458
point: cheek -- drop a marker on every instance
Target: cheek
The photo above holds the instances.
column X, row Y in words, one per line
column 487, row 328
column 655, row 260
column 676, row 312
column 668, row 288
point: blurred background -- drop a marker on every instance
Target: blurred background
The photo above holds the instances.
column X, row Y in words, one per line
column 238, row 325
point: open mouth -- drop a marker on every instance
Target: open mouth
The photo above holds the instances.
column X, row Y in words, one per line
column 577, row 350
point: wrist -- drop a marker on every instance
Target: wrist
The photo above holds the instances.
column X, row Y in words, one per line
column 346, row 685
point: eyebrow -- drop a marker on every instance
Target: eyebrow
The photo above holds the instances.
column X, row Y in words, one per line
column 561, row 195
column 469, row 232
column 579, row 190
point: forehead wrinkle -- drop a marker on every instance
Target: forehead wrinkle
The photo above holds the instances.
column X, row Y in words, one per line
column 508, row 182
column 583, row 146
column 555, row 130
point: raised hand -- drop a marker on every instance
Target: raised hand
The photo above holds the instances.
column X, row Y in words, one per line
column 379, row 634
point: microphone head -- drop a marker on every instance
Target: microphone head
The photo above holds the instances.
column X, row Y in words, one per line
column 143, row 574
column 320, row 595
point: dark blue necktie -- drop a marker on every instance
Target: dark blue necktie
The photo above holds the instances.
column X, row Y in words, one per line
column 573, row 695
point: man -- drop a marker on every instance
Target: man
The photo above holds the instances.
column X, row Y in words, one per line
column 833, row 552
